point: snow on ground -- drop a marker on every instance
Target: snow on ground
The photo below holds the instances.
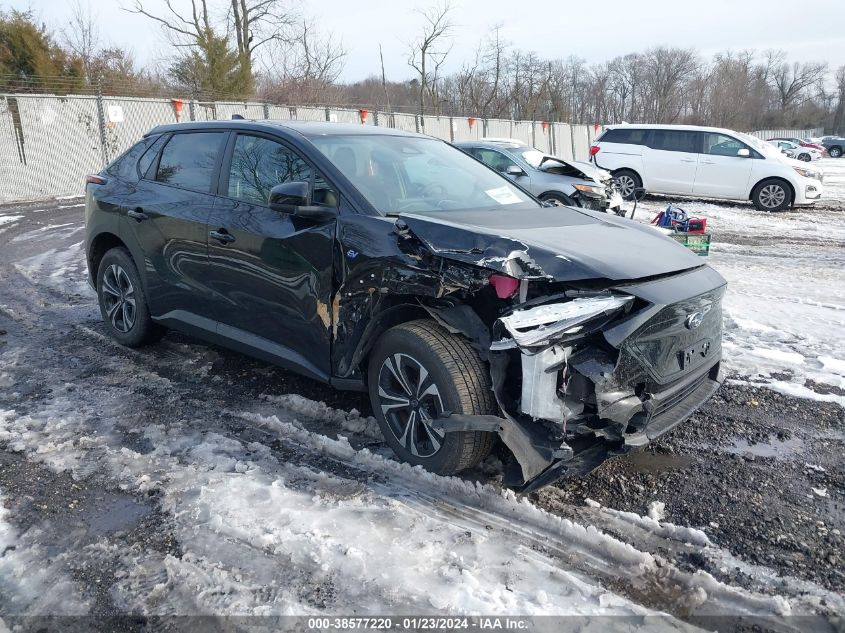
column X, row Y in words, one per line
column 785, row 305
column 63, row 270
column 30, row 582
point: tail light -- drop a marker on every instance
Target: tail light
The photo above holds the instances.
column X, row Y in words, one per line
column 594, row 149
column 504, row 285
column 93, row 179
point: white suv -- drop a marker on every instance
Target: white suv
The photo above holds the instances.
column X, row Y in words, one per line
column 710, row 162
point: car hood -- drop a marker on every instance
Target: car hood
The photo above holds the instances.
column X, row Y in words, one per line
column 559, row 243
column 588, row 170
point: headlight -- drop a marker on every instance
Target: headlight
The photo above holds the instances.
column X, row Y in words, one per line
column 807, row 173
column 595, row 191
column 547, row 324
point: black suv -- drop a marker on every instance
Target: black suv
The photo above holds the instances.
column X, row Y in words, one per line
column 389, row 262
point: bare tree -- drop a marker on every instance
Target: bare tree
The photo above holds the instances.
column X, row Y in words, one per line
column 82, row 35
column 429, row 51
column 792, row 82
column 839, row 113
column 253, row 23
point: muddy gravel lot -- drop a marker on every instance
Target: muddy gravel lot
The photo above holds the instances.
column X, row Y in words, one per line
column 754, row 482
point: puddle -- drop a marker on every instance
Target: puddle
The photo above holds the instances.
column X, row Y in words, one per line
column 114, row 513
column 771, row 447
column 648, row 462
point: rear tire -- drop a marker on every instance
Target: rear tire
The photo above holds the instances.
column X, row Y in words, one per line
column 627, row 181
column 123, row 303
column 417, row 372
column 772, row 194
column 804, row 157
column 835, row 152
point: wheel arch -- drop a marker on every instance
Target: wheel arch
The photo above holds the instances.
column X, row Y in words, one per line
column 97, row 248
column 788, row 184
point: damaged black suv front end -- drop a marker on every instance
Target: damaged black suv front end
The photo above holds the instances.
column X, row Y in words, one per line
column 587, row 361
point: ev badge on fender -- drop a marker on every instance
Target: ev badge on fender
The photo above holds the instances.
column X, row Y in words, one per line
column 694, row 320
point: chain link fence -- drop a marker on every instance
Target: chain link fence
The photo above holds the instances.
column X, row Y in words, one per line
column 48, row 143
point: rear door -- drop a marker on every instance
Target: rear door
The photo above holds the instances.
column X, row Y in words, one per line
column 166, row 224
column 272, row 273
column 670, row 161
column 722, row 173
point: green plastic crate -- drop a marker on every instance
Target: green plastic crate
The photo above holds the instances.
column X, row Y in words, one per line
column 698, row 243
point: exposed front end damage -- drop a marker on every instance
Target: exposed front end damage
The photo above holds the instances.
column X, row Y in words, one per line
column 584, row 363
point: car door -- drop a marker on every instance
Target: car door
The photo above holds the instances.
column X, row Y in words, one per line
column 271, row 272
column 722, row 172
column 670, row 161
column 165, row 224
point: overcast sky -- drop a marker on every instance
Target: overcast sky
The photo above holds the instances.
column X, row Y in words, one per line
column 593, row 30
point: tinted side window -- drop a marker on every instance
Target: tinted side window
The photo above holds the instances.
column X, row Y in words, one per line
column 149, row 156
column 625, row 135
column 494, row 159
column 124, row 167
column 721, row 145
column 188, row 159
column 258, row 164
column 676, row 141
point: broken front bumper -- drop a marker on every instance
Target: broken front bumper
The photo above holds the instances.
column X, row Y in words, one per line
column 600, row 375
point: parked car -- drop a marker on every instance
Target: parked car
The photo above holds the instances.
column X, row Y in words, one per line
column 834, row 145
column 798, row 152
column 393, row 263
column 551, row 179
column 805, row 142
column 690, row 160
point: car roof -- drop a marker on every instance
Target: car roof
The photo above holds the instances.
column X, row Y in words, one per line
column 493, row 144
column 658, row 126
column 308, row 129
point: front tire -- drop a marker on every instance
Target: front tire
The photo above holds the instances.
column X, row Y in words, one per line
column 559, row 199
column 627, row 181
column 804, row 157
column 771, row 195
column 835, row 152
column 123, row 303
column 417, row 372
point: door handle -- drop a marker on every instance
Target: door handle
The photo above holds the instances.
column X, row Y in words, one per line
column 708, row 162
column 137, row 214
column 687, row 160
column 222, row 236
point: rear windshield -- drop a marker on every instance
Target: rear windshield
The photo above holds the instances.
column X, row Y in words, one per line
column 406, row 174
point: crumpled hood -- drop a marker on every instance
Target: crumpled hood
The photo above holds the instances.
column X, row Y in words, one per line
column 560, row 243
column 588, row 170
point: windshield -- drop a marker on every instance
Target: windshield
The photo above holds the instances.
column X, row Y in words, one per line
column 406, row 174
column 533, row 157
column 767, row 149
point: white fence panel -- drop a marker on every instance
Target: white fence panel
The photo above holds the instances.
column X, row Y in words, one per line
column 767, row 134
column 61, row 143
column 580, row 142
column 280, row 113
column 309, row 114
column 543, row 137
column 562, row 134
column 407, row 122
column 467, row 128
column 438, row 126
column 139, row 116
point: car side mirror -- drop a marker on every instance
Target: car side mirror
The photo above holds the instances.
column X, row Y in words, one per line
column 293, row 198
column 744, row 153
column 286, row 197
column 514, row 170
